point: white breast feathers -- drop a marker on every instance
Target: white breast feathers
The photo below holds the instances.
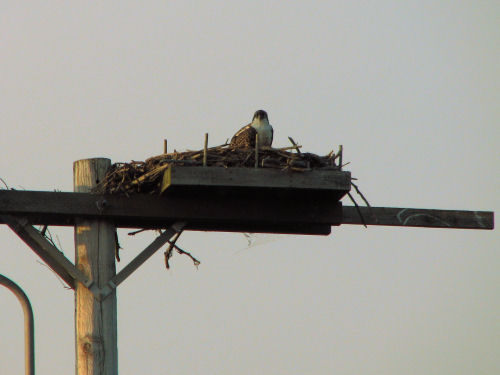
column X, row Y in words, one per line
column 265, row 131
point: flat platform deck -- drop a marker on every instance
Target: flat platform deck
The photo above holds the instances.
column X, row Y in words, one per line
column 256, row 183
column 206, row 198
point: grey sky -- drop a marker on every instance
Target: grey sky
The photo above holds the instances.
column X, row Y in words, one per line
column 411, row 89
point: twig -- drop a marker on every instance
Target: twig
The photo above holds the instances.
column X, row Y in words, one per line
column 196, row 262
column 247, row 157
column 287, row 148
column 364, row 199
column 294, row 144
column 357, row 209
column 205, row 150
column 6, row 186
column 136, row 232
column 117, row 247
column 341, row 151
column 168, row 252
column 257, row 150
column 57, row 276
column 360, row 194
column 172, row 245
column 181, row 161
column 49, row 238
column 285, row 154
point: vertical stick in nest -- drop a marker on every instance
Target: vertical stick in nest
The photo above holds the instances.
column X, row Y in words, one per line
column 341, row 149
column 205, row 150
column 257, row 150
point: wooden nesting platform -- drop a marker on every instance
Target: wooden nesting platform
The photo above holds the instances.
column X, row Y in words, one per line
column 206, row 198
column 266, row 200
column 232, row 199
column 256, row 184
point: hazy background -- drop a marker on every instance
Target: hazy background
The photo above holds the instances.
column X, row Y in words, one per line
column 411, row 89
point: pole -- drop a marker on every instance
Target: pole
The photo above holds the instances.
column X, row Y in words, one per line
column 29, row 330
column 95, row 321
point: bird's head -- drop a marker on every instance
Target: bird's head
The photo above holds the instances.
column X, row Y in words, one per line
column 260, row 115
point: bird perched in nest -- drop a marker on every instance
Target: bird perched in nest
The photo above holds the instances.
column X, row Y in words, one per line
column 245, row 137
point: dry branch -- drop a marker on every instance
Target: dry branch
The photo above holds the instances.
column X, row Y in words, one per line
column 357, row 209
column 295, row 145
column 172, row 245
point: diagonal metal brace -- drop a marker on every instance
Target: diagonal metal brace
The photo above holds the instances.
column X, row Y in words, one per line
column 54, row 258
column 144, row 255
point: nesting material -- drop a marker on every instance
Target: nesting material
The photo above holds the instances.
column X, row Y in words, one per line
column 145, row 176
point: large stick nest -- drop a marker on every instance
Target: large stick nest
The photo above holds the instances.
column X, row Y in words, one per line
column 145, row 176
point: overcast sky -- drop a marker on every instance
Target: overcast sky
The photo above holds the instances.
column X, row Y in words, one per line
column 410, row 88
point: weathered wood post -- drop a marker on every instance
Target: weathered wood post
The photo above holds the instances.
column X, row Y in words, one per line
column 95, row 321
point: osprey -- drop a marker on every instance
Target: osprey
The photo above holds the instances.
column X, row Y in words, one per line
column 245, row 137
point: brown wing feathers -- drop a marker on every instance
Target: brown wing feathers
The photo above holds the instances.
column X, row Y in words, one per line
column 245, row 137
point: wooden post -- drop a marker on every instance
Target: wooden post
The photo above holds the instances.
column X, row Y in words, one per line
column 95, row 321
column 257, row 150
column 165, row 146
column 341, row 151
column 205, row 150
